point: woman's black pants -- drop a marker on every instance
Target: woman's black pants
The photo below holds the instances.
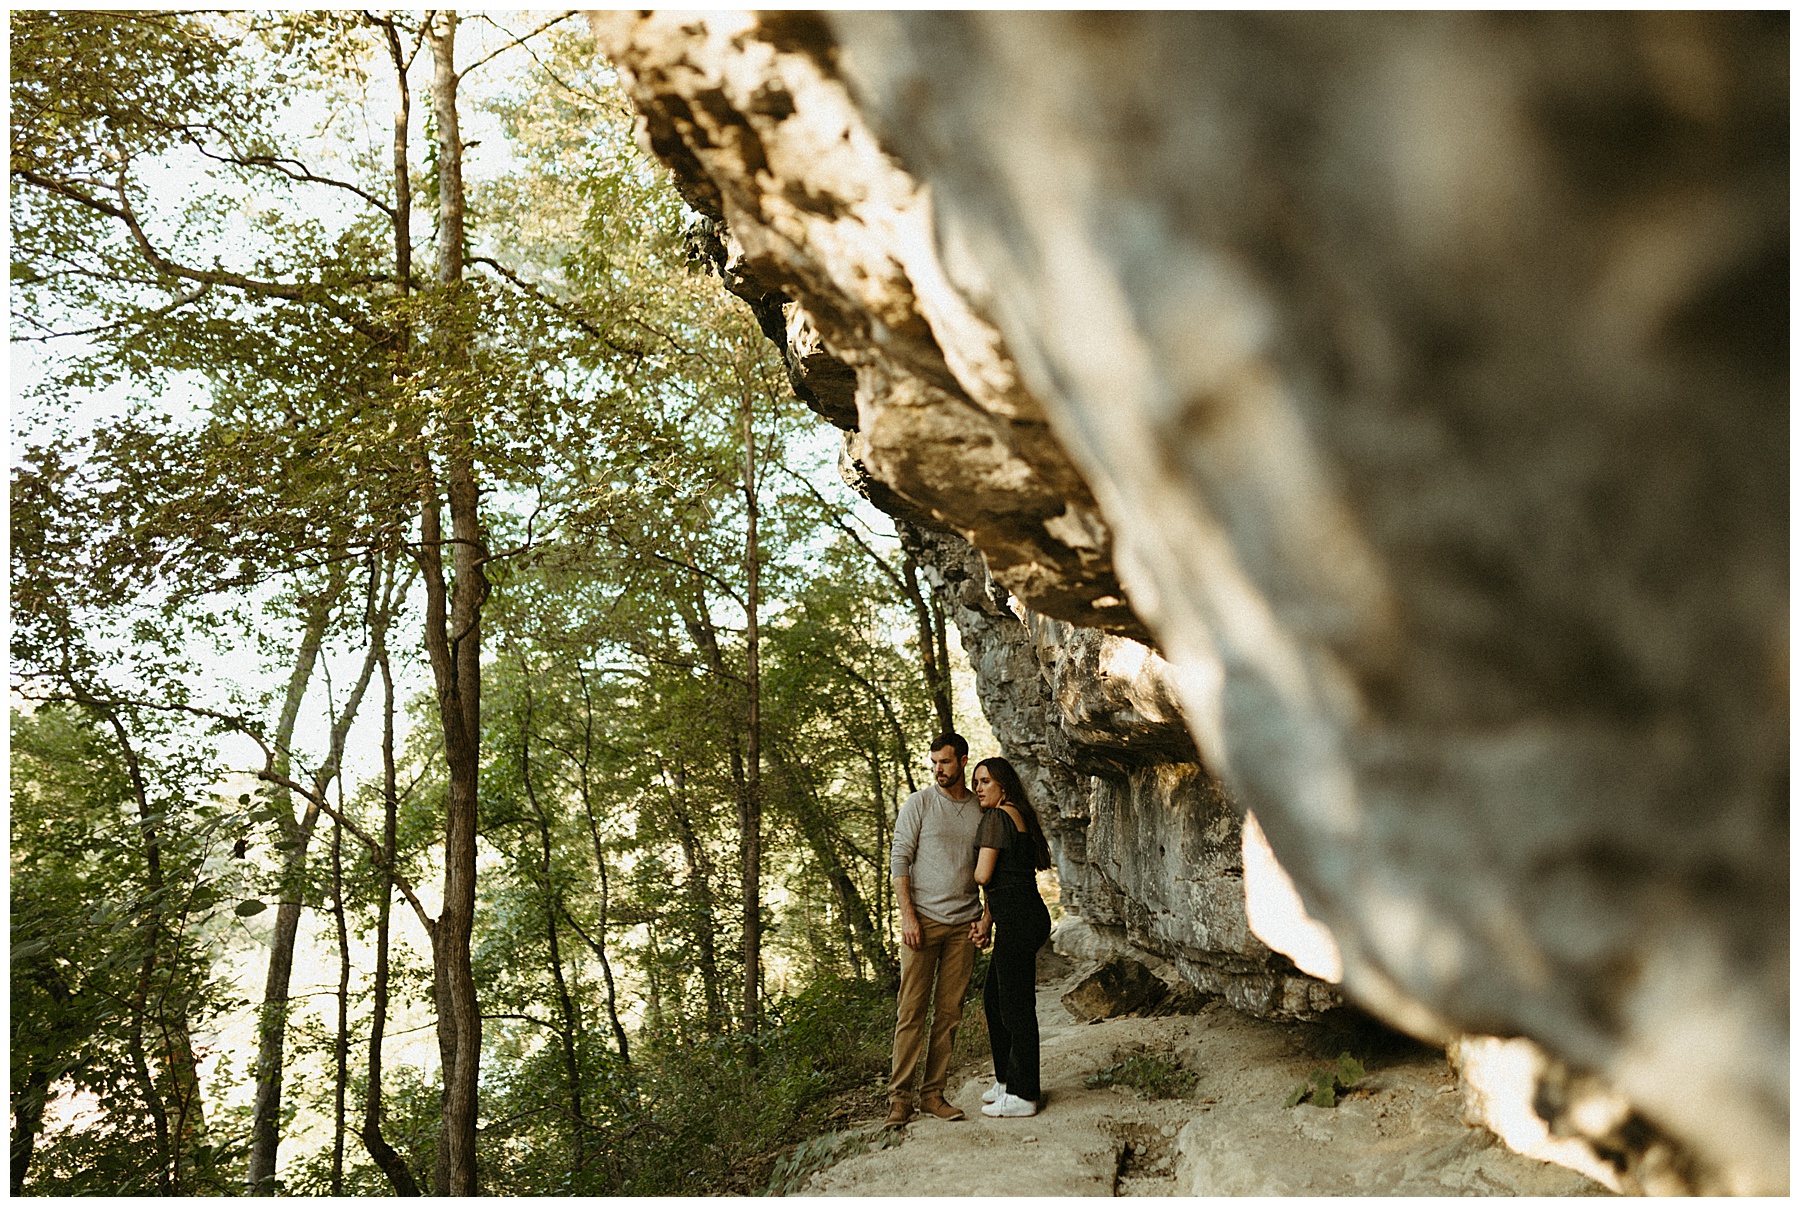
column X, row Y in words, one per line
column 1021, row 924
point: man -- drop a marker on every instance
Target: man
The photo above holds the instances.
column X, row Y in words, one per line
column 940, row 924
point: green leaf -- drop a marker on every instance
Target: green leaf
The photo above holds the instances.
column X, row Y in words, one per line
column 258, row 816
column 249, row 909
column 1298, row 1094
column 1325, row 1096
column 1349, row 1070
column 244, row 798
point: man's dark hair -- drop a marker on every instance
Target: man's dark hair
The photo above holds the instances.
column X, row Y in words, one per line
column 955, row 741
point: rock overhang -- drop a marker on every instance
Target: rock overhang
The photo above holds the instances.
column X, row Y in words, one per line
column 1316, row 338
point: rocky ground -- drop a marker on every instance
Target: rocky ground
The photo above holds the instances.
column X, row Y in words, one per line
column 1398, row 1131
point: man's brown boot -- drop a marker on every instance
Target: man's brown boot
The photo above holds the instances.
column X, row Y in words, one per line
column 899, row 1114
column 943, row 1110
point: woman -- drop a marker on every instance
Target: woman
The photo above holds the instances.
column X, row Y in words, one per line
column 1010, row 850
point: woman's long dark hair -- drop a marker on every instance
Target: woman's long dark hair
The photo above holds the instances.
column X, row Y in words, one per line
column 1008, row 779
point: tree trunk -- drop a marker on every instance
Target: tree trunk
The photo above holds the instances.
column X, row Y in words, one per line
column 700, row 628
column 33, row 1078
column 389, row 1161
column 587, row 806
column 265, row 1114
column 182, row 1076
column 606, row 972
column 449, row 133
column 341, row 1049
column 453, row 643
column 452, row 640
column 273, row 1022
column 879, row 801
column 402, row 170
column 653, row 989
column 150, row 933
column 750, row 809
column 700, row 892
column 140, row 1071
column 933, row 654
column 941, row 688
column 28, row 1121
column 821, row 834
column 570, row 1030
column 848, row 935
column 398, row 1175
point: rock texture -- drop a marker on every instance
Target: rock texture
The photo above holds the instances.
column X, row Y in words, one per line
column 1399, row 1133
column 1146, row 841
column 1415, row 386
column 831, row 243
column 1114, row 988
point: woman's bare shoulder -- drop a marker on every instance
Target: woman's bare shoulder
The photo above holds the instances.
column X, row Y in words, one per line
column 1018, row 818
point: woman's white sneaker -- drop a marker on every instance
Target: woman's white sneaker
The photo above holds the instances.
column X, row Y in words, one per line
column 994, row 1091
column 1010, row 1106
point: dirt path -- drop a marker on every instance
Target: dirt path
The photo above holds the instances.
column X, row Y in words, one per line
column 1399, row 1132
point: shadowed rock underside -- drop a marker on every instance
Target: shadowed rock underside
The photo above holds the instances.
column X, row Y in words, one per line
column 1383, row 414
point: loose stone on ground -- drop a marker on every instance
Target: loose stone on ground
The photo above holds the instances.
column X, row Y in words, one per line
column 1398, row 1132
column 1117, row 987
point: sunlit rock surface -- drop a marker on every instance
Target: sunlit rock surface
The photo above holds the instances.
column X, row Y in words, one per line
column 831, row 242
column 1421, row 383
column 1146, row 842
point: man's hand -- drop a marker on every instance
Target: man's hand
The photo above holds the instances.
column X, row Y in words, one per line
column 980, row 930
column 909, row 931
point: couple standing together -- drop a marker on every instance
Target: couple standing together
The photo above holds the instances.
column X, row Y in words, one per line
column 953, row 847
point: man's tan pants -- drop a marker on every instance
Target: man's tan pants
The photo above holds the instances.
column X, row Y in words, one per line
column 945, row 956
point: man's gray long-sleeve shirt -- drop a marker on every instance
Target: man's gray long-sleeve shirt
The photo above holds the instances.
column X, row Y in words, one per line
column 934, row 844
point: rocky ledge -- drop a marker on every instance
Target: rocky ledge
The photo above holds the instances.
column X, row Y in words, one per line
column 1375, row 422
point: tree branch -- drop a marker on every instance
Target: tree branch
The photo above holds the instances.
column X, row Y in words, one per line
column 570, row 918
column 123, row 213
column 267, row 775
column 525, row 1018
column 278, row 164
column 186, row 299
column 836, row 518
column 696, row 570
column 563, row 308
column 356, row 832
column 518, row 41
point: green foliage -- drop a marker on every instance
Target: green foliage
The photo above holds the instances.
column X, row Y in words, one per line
column 1323, row 1084
column 604, row 384
column 691, row 1116
column 732, row 1101
column 822, row 1152
column 111, row 955
column 1147, row 1072
column 90, row 92
column 1151, row 1075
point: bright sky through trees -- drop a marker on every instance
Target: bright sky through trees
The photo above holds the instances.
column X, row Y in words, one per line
column 288, row 463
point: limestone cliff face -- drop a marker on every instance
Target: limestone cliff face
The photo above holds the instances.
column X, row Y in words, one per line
column 1415, row 388
column 1146, row 842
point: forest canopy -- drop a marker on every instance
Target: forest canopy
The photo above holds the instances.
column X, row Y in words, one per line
column 457, row 712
